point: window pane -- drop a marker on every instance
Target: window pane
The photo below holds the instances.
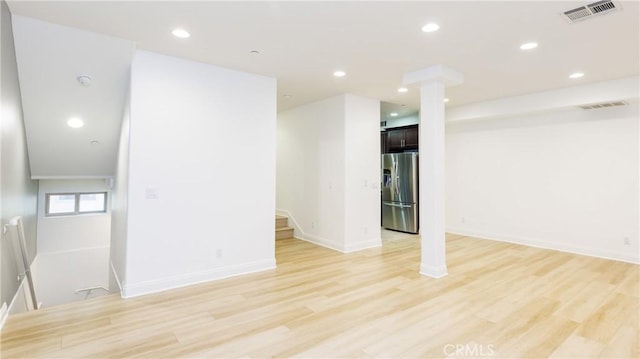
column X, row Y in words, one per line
column 92, row 202
column 61, row 203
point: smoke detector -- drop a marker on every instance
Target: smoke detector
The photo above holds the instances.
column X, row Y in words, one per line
column 84, row 80
column 591, row 10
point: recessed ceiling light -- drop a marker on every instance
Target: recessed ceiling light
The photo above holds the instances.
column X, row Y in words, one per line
column 339, row 74
column 393, row 114
column 430, row 27
column 403, row 89
column 446, row 100
column 181, row 33
column 286, row 96
column 255, row 52
column 576, row 75
column 529, row 46
column 95, row 142
column 75, row 122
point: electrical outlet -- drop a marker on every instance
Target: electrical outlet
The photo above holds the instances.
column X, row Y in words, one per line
column 463, row 220
column 313, row 225
column 219, row 253
column 627, row 241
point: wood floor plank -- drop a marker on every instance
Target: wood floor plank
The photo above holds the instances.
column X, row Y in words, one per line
column 576, row 346
column 541, row 340
column 514, row 300
column 624, row 344
column 603, row 323
column 586, row 301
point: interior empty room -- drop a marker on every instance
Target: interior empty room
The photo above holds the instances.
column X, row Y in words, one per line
column 345, row 179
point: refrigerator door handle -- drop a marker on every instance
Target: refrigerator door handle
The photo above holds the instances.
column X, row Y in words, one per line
column 397, row 205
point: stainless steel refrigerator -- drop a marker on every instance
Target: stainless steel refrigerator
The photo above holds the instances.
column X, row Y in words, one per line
column 400, row 192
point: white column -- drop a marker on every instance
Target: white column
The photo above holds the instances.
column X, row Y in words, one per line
column 432, row 81
column 431, row 182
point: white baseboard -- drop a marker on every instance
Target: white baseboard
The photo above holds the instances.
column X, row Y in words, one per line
column 322, row 242
column 299, row 233
column 586, row 251
column 433, row 271
column 131, row 290
column 358, row 246
column 115, row 276
column 353, row 247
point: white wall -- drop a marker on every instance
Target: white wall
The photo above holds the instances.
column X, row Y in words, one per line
column 403, row 121
column 565, row 180
column 57, row 275
column 73, row 251
column 362, row 173
column 68, row 233
column 18, row 193
column 328, row 171
column 311, row 170
column 201, row 195
column 119, row 205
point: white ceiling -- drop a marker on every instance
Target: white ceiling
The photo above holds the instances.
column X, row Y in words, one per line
column 50, row 58
column 376, row 43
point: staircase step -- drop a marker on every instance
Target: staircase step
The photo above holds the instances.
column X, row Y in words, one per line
column 284, row 233
column 281, row 221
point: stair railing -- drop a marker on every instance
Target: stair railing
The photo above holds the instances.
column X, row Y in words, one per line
column 16, row 222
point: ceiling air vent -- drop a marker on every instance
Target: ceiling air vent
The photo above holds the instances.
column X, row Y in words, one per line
column 589, row 11
column 603, row 105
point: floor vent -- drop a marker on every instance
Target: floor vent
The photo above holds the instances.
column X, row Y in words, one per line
column 603, row 105
column 589, row 11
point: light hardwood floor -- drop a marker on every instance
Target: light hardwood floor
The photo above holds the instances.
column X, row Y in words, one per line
column 499, row 300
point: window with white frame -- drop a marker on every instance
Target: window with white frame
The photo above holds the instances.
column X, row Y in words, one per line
column 66, row 204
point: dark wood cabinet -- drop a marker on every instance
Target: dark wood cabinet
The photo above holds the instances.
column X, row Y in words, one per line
column 411, row 137
column 400, row 139
column 395, row 139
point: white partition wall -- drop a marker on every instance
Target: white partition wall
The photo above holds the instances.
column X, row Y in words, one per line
column 18, row 192
column 201, row 174
column 565, row 180
column 328, row 171
column 362, row 173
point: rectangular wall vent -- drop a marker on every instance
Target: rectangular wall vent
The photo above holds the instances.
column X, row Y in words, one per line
column 589, row 11
column 603, row 105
